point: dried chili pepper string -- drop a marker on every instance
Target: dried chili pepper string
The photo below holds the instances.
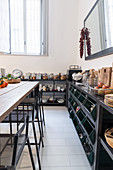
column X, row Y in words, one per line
column 85, row 34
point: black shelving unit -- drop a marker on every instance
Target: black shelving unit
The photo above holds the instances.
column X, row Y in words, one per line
column 54, row 94
column 91, row 120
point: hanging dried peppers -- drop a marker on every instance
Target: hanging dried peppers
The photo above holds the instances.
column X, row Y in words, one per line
column 85, row 36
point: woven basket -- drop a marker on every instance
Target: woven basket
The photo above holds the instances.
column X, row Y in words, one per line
column 108, row 100
column 109, row 136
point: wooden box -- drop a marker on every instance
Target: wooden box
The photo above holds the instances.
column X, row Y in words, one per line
column 104, row 75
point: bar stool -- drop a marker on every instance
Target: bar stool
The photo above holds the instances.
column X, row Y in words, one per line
column 41, row 111
column 27, row 107
column 19, row 141
column 40, row 103
column 31, row 103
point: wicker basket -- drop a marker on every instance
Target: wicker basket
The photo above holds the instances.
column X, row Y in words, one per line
column 109, row 136
column 108, row 100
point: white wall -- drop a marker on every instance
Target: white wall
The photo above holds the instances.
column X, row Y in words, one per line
column 65, row 22
column 62, row 41
column 84, row 8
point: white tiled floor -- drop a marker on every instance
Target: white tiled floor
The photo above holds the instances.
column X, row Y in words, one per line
column 63, row 150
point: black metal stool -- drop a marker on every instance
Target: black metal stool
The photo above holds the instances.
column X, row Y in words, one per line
column 27, row 107
column 41, row 111
column 31, row 103
column 19, row 141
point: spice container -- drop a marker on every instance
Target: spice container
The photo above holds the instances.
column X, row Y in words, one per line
column 38, row 76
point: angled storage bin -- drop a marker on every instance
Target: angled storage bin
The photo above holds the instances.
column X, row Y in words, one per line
column 80, row 115
column 76, row 93
column 91, row 107
column 81, row 98
column 75, row 121
column 90, row 129
column 94, row 113
column 81, row 133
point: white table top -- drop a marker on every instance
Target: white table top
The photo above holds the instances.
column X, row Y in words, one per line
column 12, row 95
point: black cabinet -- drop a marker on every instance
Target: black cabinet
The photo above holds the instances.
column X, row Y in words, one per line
column 91, row 117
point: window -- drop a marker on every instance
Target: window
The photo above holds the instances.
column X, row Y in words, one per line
column 108, row 8
column 26, row 27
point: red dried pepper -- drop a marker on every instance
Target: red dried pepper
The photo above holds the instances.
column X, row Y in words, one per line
column 85, row 36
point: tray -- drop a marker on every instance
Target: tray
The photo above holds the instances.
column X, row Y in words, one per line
column 13, row 81
column 101, row 91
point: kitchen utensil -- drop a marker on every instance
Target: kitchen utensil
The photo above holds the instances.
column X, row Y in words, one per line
column 38, row 76
column 73, row 69
column 104, row 75
column 13, row 81
column 78, row 76
column 2, row 72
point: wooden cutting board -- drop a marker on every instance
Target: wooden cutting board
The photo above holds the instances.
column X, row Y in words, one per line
column 13, row 81
column 112, row 76
column 104, row 75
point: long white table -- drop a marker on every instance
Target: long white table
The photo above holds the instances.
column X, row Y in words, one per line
column 12, row 95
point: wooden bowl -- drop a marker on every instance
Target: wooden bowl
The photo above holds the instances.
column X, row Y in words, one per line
column 109, row 136
column 108, row 100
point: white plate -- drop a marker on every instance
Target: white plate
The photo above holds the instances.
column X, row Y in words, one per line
column 60, row 100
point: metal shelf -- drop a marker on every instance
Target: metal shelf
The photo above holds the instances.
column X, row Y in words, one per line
column 83, row 127
column 108, row 149
column 54, row 104
column 54, row 92
column 85, row 110
column 42, row 80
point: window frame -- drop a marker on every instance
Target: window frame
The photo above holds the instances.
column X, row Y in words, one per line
column 43, row 32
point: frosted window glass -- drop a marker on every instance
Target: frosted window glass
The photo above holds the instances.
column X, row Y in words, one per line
column 4, row 26
column 108, row 7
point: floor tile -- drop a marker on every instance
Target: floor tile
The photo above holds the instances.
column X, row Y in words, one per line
column 62, row 150
column 68, row 168
column 55, row 161
column 72, row 142
column 60, row 135
column 52, row 150
column 54, row 142
column 78, row 160
column 75, row 150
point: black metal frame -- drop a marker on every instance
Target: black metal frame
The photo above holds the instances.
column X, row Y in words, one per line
column 98, row 124
column 16, row 155
column 102, row 53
